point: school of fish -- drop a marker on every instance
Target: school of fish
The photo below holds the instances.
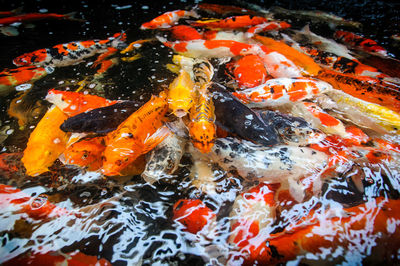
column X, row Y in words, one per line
column 281, row 108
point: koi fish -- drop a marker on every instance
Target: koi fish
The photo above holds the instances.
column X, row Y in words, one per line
column 292, row 130
column 36, row 16
column 316, row 232
column 11, row 12
column 235, row 117
column 235, row 22
column 168, row 19
column 73, row 103
column 137, row 135
column 85, row 153
column 280, row 91
column 278, row 164
column 298, row 58
column 70, row 53
column 318, row 118
column 365, row 88
column 46, row 142
column 267, row 26
column 35, row 207
column 193, row 215
column 180, row 94
column 224, row 9
column 164, row 159
column 202, row 129
column 9, row 78
column 317, row 16
column 358, row 41
column 249, row 71
column 100, row 120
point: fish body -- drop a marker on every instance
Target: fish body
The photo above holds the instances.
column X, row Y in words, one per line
column 233, row 116
column 46, row 142
column 180, row 94
column 185, row 33
column 86, row 153
column 9, row 78
column 35, row 16
column 280, row 91
column 249, row 71
column 224, row 9
column 168, row 19
column 164, row 159
column 235, row 22
column 69, row 53
column 202, row 129
column 100, row 120
column 137, row 135
column 73, row 103
column 359, row 42
column 267, row 26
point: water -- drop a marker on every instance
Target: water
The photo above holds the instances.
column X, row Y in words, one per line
column 126, row 221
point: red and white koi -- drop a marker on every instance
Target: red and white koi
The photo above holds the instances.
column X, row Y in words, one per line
column 280, row 91
column 267, row 26
column 9, row 78
column 360, row 42
column 249, row 71
column 73, row 103
column 70, row 53
column 168, row 19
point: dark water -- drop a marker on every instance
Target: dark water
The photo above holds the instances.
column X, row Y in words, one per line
column 125, row 220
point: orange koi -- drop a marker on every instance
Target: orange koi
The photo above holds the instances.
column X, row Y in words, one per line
column 235, row 22
column 9, row 78
column 358, row 41
column 275, row 92
column 46, row 142
column 70, row 53
column 268, row 26
column 137, row 135
column 180, row 94
column 202, row 129
column 316, row 233
column 299, row 59
column 35, row 207
column 249, row 71
column 168, row 19
column 73, row 103
column 36, row 16
column 192, row 214
column 86, row 153
column 365, row 88
column 185, row 33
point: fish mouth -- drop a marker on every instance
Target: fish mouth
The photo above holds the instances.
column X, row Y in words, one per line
column 180, row 113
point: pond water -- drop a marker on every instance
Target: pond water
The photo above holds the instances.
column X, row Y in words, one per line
column 344, row 213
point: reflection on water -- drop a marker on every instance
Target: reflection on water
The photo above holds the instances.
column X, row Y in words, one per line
column 350, row 216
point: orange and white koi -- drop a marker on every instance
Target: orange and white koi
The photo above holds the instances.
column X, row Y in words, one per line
column 69, row 53
column 46, row 142
column 85, row 153
column 35, row 207
column 180, row 94
column 318, row 118
column 202, row 129
column 9, row 78
column 73, row 103
column 249, row 71
column 359, row 42
column 138, row 134
column 235, row 22
column 267, row 26
column 36, row 16
column 372, row 221
column 168, row 19
column 276, row 92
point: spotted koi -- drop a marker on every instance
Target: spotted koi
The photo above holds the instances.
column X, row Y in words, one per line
column 137, row 135
column 358, row 41
column 70, row 53
column 168, row 19
column 276, row 92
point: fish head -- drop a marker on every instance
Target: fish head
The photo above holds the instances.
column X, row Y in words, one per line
column 31, row 58
column 85, row 153
column 36, row 165
column 115, row 160
column 202, row 135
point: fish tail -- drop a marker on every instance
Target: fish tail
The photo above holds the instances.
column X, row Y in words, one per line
column 155, row 139
column 71, row 16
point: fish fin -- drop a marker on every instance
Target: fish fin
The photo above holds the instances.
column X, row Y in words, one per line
column 71, row 16
column 155, row 139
